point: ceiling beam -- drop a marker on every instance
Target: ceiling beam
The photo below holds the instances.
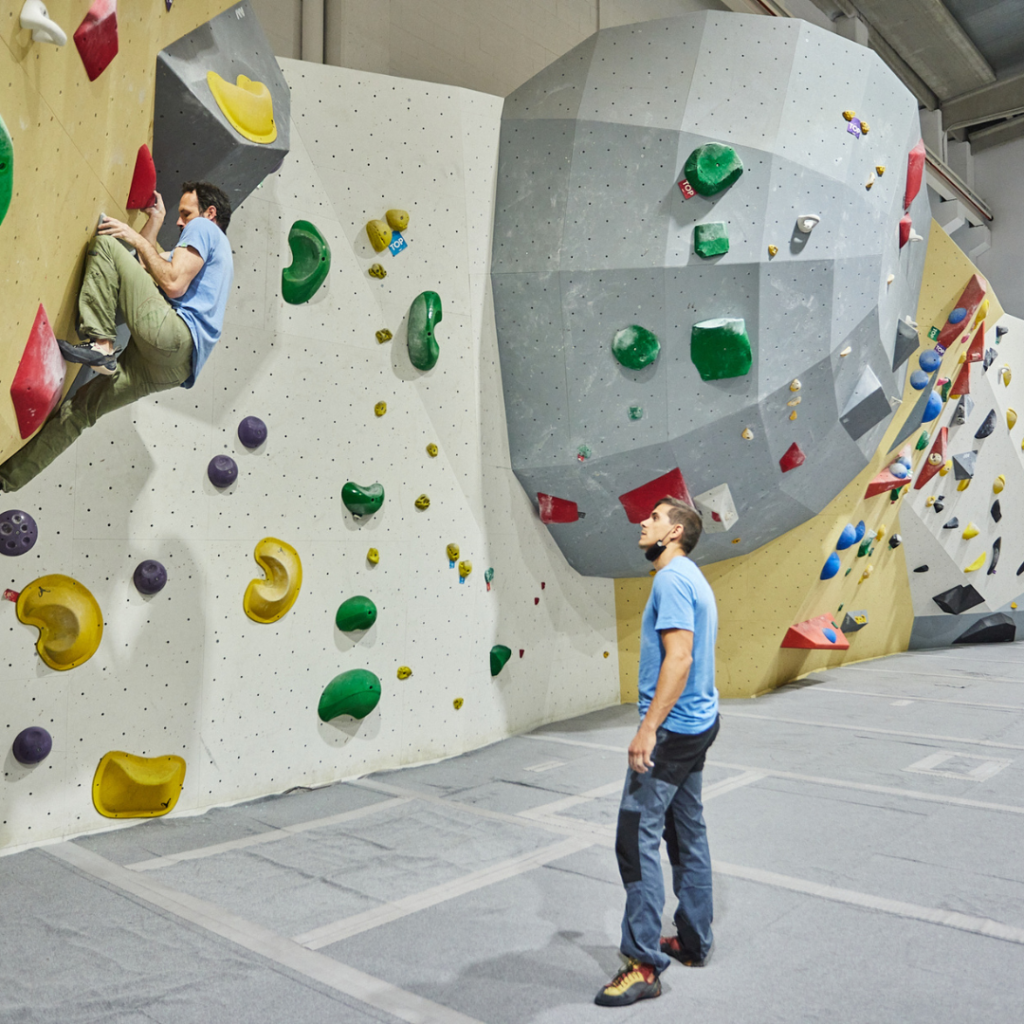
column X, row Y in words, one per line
column 997, row 134
column 1002, row 99
column 903, row 71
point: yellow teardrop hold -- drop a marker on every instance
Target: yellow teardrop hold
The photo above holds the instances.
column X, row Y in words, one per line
column 373, row 556
column 67, row 616
column 748, row 434
column 247, row 105
column 971, row 531
column 129, row 786
column 380, row 408
column 1011, row 418
column 404, row 672
column 397, row 219
column 999, row 484
column 880, row 168
column 1006, row 375
column 379, row 234
column 981, row 314
column 977, row 563
column 773, row 250
column 792, row 415
column 422, row 501
column 946, row 467
column 270, row 599
column 964, row 484
column 880, row 532
column 795, row 385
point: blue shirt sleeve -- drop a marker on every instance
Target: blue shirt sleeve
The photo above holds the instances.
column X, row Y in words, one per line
column 196, row 234
column 674, row 602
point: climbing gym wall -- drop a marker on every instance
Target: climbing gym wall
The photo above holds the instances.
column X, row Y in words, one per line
column 317, row 562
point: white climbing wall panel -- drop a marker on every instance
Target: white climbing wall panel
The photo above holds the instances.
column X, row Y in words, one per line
column 185, row 672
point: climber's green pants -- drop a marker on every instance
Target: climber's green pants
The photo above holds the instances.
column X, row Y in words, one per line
column 158, row 356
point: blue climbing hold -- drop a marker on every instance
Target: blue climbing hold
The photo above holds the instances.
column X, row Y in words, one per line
column 919, row 380
column 859, row 534
column 899, row 471
column 831, row 567
column 933, row 408
column 930, row 360
column 957, row 315
column 847, row 538
column 830, row 635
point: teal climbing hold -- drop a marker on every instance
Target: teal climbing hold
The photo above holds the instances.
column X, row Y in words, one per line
column 711, row 239
column 635, row 347
column 499, row 658
column 424, row 316
column 357, row 612
column 362, row 501
column 311, row 261
column 354, row 693
column 720, row 348
column 712, row 168
column 6, row 170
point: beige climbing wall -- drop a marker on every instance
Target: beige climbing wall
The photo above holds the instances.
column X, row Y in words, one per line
column 75, row 143
column 760, row 595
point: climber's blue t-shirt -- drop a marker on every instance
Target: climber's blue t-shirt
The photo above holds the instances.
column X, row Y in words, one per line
column 681, row 599
column 202, row 306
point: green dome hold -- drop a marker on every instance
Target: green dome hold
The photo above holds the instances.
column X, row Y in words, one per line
column 712, row 168
column 354, row 693
column 424, row 316
column 362, row 501
column 499, row 658
column 635, row 347
column 356, row 613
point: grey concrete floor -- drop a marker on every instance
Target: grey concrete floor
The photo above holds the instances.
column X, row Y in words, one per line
column 866, row 826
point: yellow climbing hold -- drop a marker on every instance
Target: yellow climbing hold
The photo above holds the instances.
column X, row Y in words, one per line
column 849, row 114
column 397, row 219
column 67, row 616
column 748, row 434
column 964, row 484
column 792, row 415
column 981, row 314
column 453, row 552
column 432, row 450
column 457, row 703
column 404, row 672
column 1011, row 418
column 384, row 335
column 999, row 484
column 380, row 408
column 373, row 556
column 971, row 531
column 1013, row 604
column 977, row 563
column 773, row 250
column 376, row 270
column 422, row 501
column 864, row 129
column 1005, row 375
column 606, row 654
column 946, row 467
column 247, row 105
column 880, row 168
column 880, row 532
column 794, row 402
column 795, row 385
column 465, row 568
column 129, row 786
column 866, row 573
column 929, row 501
column 270, row 599
column 379, row 234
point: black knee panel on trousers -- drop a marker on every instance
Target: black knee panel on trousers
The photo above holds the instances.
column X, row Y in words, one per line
column 627, row 846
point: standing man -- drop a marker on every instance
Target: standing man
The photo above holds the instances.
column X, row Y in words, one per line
column 173, row 304
column 679, row 721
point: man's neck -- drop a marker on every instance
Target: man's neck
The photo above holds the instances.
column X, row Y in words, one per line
column 667, row 555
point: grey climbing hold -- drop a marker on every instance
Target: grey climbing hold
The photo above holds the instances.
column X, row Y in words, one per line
column 997, row 628
column 989, row 359
column 997, row 547
column 866, row 407
column 952, row 524
column 906, row 343
column 963, row 465
column 987, row 426
column 958, row 599
column 854, row 621
column 997, row 512
column 964, row 408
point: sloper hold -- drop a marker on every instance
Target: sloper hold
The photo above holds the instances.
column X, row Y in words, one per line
column 987, row 426
column 963, row 465
column 248, row 106
column 854, row 621
column 500, row 655
column 635, row 347
column 311, row 262
column 357, row 613
column 906, row 343
column 557, row 510
column 96, row 37
column 958, row 599
column 39, row 379
column 639, row 503
column 129, row 786
column 866, row 407
column 717, row 509
column 936, row 459
column 424, row 316
column 969, row 301
column 847, row 538
column 831, row 567
column 712, row 168
column 270, row 599
column 997, row 628
column 355, row 693
column 720, row 348
column 6, row 170
column 915, row 173
column 711, row 239
column 811, row 636
column 360, row 500
column 67, row 616
column 143, row 186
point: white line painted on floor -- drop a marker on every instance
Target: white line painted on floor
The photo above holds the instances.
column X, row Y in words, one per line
column 543, row 766
column 545, row 810
column 275, row 834
column 377, row 916
column 321, row 968
column 975, row 769
column 930, row 700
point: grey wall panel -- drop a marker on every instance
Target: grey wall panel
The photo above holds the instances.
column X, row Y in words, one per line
column 555, row 92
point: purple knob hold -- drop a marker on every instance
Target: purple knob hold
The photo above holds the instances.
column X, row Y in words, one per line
column 31, row 745
column 222, row 471
column 18, row 532
column 252, row 432
column 150, row 577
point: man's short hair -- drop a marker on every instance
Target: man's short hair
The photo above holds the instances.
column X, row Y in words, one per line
column 686, row 516
column 209, row 195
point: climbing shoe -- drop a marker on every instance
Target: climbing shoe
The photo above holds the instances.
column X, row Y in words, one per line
column 674, row 948
column 634, row 982
column 86, row 353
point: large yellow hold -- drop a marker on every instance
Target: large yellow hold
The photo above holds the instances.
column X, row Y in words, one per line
column 67, row 616
column 129, row 786
column 270, row 599
column 247, row 105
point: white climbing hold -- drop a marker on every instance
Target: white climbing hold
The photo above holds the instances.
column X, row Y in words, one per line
column 35, row 16
column 806, row 222
column 846, row 351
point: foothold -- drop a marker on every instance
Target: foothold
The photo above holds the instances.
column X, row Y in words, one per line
column 36, row 19
column 919, row 380
column 635, row 347
column 806, row 222
column 6, row 170
column 142, row 191
column 424, row 316
column 996, row 511
column 999, row 484
column 252, row 432
column 792, row 458
column 18, row 532
column 96, row 37
column 1000, row 331
column 810, row 635
column 915, row 173
column 987, row 427
column 963, row 465
column 457, row 703
column 958, row 599
column 362, row 501
column 929, row 360
column 222, row 471
column 1005, row 376
column 906, row 227
column 453, row 555
column 970, row 531
column 977, row 563
column 792, row 415
column 952, row 524
column 398, row 220
column 311, row 263
column 373, row 556
column 849, row 115
column 889, row 280
column 854, row 621
column 997, row 547
column 270, row 599
column 843, row 353
column 356, row 613
column 379, row 234
column 794, row 401
column 720, row 348
column 711, row 239
column 713, row 167
column 488, row 577
column 895, row 541
column 248, row 106
column 871, row 176
column 39, row 380
column 639, row 501
column 384, row 335
column 67, row 616
column 717, row 509
column 422, row 502
column 378, row 271
column 500, row 655
column 864, row 129
column 979, row 317
column 748, row 434
column 583, row 452
column 380, row 408
column 355, row 693
column 31, row 745
column 773, row 250
column 432, row 450
column 557, row 510
column 465, row 568
column 963, row 485
column 921, row 568
column 128, row 786
column 831, row 567
column 1011, row 418
column 880, row 169
column 403, row 672
column 636, row 412
column 997, row 628
column 150, row 577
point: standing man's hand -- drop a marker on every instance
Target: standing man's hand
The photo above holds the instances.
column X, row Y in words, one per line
column 641, row 748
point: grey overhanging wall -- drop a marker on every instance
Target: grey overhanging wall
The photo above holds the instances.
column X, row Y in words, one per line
column 997, row 177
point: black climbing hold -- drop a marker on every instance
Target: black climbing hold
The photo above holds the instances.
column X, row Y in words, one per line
column 997, row 512
column 997, row 546
column 952, row 524
column 938, row 506
column 1000, row 331
column 150, row 577
column 958, row 599
column 895, row 540
column 921, row 568
column 997, row 628
column 986, row 428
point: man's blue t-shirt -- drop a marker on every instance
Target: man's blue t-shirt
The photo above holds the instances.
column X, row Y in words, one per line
column 681, row 599
column 202, row 306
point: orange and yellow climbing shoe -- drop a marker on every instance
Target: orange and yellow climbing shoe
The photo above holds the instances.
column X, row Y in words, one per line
column 634, row 982
column 674, row 948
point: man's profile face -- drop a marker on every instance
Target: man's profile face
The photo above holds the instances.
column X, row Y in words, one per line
column 188, row 209
column 655, row 527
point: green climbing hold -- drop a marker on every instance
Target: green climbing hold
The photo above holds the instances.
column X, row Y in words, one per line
column 6, row 170
column 424, row 316
column 354, row 693
column 636, row 412
column 362, row 501
column 499, row 658
column 945, row 390
column 720, row 348
column 711, row 239
column 311, row 261
column 635, row 347
column 922, row 441
column 357, row 612
column 713, row 167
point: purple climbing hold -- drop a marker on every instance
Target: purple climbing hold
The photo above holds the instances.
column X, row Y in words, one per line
column 957, row 315
column 222, row 471
column 31, row 745
column 252, row 432
column 18, row 532
column 150, row 577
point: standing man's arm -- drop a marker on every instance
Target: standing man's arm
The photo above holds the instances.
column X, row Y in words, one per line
column 172, row 276
column 675, row 670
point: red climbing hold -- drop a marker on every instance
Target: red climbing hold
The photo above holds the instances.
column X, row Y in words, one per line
column 140, row 195
column 557, row 510
column 935, row 461
column 885, row 482
column 810, row 636
column 639, row 503
column 96, row 37
column 976, row 352
column 970, row 300
column 39, row 381
column 915, row 173
column 905, row 225
column 962, row 384
column 794, row 457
